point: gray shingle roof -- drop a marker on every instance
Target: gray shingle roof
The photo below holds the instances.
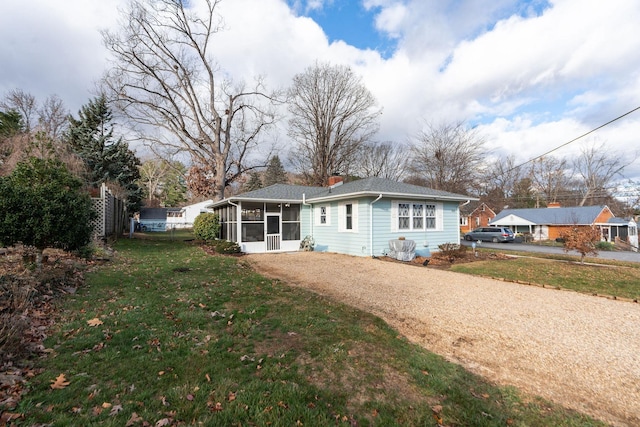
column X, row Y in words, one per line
column 387, row 187
column 579, row 215
column 362, row 187
column 280, row 192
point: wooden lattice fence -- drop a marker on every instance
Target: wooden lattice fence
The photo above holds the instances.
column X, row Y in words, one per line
column 111, row 220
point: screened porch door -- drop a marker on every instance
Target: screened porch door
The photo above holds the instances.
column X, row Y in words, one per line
column 273, row 232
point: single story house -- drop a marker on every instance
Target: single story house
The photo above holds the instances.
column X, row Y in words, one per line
column 549, row 223
column 184, row 217
column 473, row 215
column 356, row 218
column 152, row 219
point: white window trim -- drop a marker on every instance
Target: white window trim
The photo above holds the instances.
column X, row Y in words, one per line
column 342, row 216
column 317, row 210
column 395, row 217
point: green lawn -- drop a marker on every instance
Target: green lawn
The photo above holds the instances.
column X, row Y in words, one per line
column 167, row 335
column 612, row 279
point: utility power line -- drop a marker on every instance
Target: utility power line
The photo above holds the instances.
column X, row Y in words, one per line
column 574, row 139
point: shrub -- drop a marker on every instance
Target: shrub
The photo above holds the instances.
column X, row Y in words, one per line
column 451, row 251
column 42, row 205
column 605, row 246
column 226, row 247
column 207, row 227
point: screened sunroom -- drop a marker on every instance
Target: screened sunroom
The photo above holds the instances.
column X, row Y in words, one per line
column 261, row 226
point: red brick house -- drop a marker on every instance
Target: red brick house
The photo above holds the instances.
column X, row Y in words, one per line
column 475, row 214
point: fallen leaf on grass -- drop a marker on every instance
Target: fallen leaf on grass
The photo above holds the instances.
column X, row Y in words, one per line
column 59, row 383
column 94, row 322
column 6, row 417
column 135, row 419
column 163, row 422
column 106, row 405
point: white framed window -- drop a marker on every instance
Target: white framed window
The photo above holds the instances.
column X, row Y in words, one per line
column 348, row 217
column 323, row 215
column 416, row 216
column 404, row 216
column 464, row 220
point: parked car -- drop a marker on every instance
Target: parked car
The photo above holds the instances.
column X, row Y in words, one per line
column 490, row 234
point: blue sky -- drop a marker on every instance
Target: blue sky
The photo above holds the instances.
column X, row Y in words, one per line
column 530, row 75
column 352, row 23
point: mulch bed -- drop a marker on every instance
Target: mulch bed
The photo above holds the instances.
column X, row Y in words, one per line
column 437, row 261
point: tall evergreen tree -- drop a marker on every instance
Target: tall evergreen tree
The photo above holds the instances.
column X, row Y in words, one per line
column 10, row 123
column 275, row 173
column 107, row 159
column 253, row 183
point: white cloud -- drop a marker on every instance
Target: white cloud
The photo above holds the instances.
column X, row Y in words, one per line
column 530, row 77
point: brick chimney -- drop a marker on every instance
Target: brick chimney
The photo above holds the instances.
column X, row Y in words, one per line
column 554, row 205
column 335, row 180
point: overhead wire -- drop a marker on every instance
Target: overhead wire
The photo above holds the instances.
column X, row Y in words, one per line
column 574, row 139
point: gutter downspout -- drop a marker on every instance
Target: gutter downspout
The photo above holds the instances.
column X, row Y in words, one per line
column 371, row 224
column 304, row 202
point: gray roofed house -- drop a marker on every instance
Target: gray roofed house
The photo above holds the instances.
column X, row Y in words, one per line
column 358, row 217
column 549, row 223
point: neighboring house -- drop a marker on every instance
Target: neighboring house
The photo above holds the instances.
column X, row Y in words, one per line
column 152, row 219
column 356, row 218
column 549, row 223
column 623, row 231
column 473, row 215
column 184, row 217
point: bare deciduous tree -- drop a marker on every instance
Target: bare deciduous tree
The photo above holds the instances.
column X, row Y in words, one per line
column 153, row 173
column 164, row 78
column 448, row 157
column 596, row 168
column 501, row 184
column 49, row 117
column 53, row 117
column 42, row 127
column 550, row 178
column 22, row 102
column 332, row 115
column 385, row 160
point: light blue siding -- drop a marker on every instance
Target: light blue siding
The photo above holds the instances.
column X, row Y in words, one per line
column 426, row 240
column 329, row 238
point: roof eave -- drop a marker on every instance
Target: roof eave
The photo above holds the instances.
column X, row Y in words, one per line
column 253, row 199
column 371, row 193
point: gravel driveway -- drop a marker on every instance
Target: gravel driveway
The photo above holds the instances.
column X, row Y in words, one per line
column 577, row 350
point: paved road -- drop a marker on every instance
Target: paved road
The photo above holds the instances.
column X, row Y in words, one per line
column 613, row 255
